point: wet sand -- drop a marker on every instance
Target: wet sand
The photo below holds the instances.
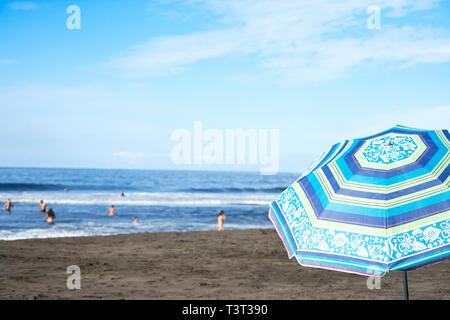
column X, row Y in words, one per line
column 248, row 264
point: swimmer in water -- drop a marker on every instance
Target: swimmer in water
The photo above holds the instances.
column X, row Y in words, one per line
column 8, row 205
column 112, row 211
column 50, row 216
column 136, row 220
column 42, row 207
column 220, row 219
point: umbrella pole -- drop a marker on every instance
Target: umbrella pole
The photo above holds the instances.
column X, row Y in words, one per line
column 405, row 285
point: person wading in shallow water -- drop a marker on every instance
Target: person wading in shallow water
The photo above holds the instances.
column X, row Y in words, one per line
column 42, row 207
column 50, row 216
column 8, row 205
column 112, row 211
column 220, row 219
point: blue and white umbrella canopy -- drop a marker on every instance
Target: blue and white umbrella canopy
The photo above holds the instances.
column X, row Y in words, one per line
column 371, row 205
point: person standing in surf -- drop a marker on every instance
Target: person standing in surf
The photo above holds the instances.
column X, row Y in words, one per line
column 8, row 205
column 220, row 219
column 112, row 211
column 42, row 207
column 50, row 216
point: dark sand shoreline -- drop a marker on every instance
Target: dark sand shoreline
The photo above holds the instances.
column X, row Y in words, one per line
column 244, row 264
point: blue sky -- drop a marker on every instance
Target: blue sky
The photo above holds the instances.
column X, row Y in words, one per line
column 110, row 94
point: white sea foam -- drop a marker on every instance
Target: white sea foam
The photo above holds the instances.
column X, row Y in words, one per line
column 102, row 229
column 141, row 198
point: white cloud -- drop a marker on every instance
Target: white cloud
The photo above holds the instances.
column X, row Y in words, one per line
column 132, row 158
column 304, row 41
column 133, row 155
column 433, row 118
column 428, row 118
column 359, row 126
column 169, row 54
column 22, row 5
column 53, row 97
column 403, row 7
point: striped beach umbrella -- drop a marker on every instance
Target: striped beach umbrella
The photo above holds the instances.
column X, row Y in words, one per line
column 371, row 205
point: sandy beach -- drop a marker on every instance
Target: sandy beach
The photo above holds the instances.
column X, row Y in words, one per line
column 247, row 264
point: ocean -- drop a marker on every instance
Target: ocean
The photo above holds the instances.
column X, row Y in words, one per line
column 162, row 200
